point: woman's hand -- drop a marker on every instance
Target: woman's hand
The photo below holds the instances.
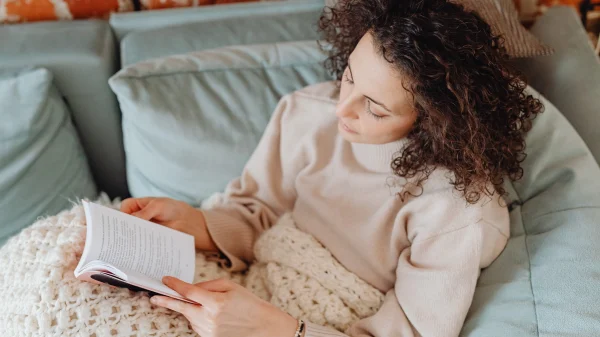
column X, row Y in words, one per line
column 174, row 214
column 227, row 310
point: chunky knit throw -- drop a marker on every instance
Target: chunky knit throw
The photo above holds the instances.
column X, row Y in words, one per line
column 41, row 297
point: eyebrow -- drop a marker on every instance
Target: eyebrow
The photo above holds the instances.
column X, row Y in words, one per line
column 372, row 100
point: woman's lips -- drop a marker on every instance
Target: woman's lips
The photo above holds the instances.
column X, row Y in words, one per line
column 346, row 128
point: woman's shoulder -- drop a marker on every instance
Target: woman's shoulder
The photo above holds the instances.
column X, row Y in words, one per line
column 307, row 117
column 441, row 215
column 325, row 92
column 438, row 195
column 310, row 108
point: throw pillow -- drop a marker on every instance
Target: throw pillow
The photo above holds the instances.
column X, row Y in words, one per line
column 42, row 164
column 503, row 17
column 200, row 115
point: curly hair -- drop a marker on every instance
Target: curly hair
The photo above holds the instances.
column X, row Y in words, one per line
column 472, row 111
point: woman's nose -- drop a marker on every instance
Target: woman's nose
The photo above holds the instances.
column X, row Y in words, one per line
column 346, row 108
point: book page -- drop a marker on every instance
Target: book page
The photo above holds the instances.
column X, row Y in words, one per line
column 139, row 246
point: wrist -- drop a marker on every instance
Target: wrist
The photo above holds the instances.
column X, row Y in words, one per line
column 282, row 323
column 203, row 240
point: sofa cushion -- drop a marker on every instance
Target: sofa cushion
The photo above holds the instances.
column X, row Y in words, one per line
column 196, row 36
column 42, row 164
column 570, row 78
column 190, row 122
column 125, row 23
column 544, row 283
column 81, row 56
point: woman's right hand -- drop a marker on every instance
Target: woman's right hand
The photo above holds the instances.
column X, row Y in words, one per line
column 174, row 214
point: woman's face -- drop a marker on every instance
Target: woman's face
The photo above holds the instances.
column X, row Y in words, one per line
column 374, row 107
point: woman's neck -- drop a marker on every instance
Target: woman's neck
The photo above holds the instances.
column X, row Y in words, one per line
column 377, row 157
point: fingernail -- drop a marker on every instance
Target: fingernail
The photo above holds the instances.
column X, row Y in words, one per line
column 153, row 300
column 166, row 279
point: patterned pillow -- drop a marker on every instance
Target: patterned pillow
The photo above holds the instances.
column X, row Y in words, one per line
column 42, row 10
column 503, row 17
column 161, row 4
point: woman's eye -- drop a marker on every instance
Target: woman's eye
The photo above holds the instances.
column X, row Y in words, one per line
column 376, row 116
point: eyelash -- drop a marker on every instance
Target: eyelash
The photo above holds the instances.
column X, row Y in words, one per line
column 377, row 117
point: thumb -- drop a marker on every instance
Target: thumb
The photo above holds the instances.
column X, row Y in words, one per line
column 219, row 285
column 148, row 212
column 131, row 205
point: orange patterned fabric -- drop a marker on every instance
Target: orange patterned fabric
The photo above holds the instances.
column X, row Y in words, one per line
column 230, row 1
column 87, row 8
column 161, row 4
column 41, row 10
column 34, row 10
column 574, row 3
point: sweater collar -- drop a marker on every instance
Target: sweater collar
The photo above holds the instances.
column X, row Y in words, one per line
column 377, row 157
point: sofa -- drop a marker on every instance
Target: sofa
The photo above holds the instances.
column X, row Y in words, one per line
column 172, row 103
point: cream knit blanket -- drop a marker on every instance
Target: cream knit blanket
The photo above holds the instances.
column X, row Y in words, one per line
column 39, row 295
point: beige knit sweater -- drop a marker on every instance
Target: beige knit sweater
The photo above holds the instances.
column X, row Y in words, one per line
column 424, row 253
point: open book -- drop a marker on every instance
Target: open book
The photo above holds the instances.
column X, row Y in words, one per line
column 129, row 252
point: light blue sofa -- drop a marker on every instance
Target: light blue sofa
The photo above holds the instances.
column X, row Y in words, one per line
column 177, row 140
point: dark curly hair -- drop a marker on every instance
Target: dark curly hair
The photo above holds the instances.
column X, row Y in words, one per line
column 472, row 111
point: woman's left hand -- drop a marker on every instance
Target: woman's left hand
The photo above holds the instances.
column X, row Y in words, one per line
column 227, row 309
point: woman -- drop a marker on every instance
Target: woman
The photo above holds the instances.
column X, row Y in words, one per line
column 398, row 172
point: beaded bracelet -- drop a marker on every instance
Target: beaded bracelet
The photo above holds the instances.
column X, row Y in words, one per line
column 300, row 329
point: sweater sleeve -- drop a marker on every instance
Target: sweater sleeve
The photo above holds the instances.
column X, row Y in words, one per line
column 435, row 279
column 264, row 191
